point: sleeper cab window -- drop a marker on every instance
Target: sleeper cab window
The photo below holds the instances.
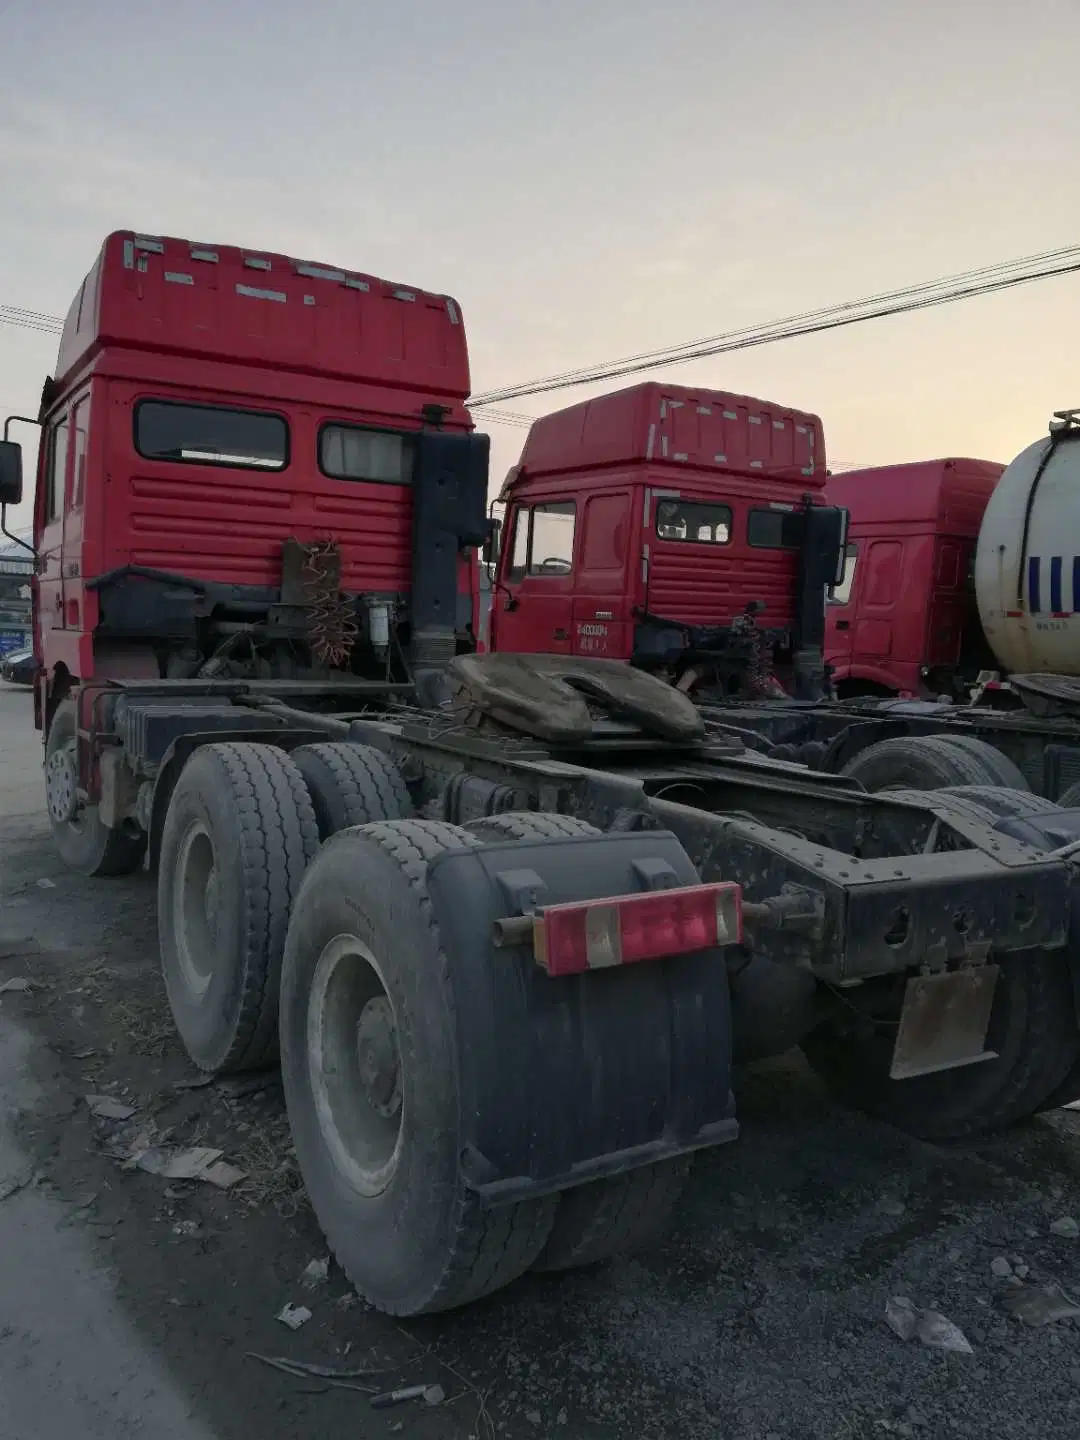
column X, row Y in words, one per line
column 211, row 435
column 775, row 529
column 352, row 452
column 693, row 520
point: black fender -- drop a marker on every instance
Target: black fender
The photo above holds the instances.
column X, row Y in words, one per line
column 1050, row 831
column 563, row 1080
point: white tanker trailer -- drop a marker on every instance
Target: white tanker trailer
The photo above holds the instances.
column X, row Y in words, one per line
column 1027, row 561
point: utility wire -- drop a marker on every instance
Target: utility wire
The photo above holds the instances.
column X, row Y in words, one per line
column 982, row 281
column 987, row 271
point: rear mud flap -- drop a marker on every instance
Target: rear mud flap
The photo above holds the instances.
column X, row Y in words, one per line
column 944, row 1021
column 564, row 1080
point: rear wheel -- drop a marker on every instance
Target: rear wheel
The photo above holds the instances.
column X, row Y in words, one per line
column 238, row 835
column 1003, row 804
column 83, row 841
column 595, row 1221
column 997, row 769
column 1032, row 1029
column 931, row 762
column 371, row 1080
column 351, row 785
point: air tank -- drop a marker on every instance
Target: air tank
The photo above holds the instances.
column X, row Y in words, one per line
column 1027, row 562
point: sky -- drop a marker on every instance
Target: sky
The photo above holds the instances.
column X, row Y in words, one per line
column 589, row 178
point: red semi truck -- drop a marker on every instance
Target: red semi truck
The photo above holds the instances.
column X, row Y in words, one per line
column 903, row 620
column 682, row 530
column 507, row 919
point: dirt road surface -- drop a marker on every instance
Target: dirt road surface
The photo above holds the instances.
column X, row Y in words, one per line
column 133, row 1306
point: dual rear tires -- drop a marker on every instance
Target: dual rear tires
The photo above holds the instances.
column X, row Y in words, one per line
column 933, row 762
column 333, row 957
column 371, row 1080
column 244, row 823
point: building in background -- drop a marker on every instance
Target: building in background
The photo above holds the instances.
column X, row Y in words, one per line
column 16, row 570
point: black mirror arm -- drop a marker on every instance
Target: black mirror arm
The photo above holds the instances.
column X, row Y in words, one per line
column 9, row 536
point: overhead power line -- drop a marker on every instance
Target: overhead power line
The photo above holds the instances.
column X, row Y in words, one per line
column 30, row 320
column 943, row 291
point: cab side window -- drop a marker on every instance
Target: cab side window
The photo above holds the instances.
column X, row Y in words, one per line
column 56, row 470
column 552, row 549
column 81, row 420
column 519, row 552
column 841, row 594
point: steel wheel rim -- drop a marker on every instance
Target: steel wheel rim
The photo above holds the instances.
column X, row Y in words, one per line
column 61, row 789
column 354, row 1065
column 195, row 908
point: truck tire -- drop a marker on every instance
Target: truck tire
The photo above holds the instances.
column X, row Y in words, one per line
column 594, row 1222
column 351, row 785
column 376, row 1124
column 1068, row 1091
column 1030, row 1028
column 998, row 770
column 604, row 1218
column 84, row 843
column 239, row 833
column 1002, row 804
column 923, row 762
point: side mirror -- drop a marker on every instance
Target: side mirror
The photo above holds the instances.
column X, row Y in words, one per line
column 491, row 542
column 10, row 473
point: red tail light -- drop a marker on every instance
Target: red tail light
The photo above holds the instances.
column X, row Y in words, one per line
column 625, row 929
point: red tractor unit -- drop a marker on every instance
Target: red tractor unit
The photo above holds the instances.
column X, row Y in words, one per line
column 507, row 920
column 903, row 620
column 682, row 530
column 242, row 456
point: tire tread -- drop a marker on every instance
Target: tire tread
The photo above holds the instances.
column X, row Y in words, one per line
column 364, row 785
column 492, row 1245
column 278, row 837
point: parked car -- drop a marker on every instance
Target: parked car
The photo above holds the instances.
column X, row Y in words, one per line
column 18, row 667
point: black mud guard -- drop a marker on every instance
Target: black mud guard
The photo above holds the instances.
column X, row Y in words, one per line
column 566, row 1080
column 1050, row 830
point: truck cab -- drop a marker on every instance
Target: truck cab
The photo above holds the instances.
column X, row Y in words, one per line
column 903, row 619
column 216, row 412
column 681, row 530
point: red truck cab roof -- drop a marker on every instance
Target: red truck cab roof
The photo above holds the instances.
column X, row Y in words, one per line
column 151, row 297
column 678, row 427
column 948, row 496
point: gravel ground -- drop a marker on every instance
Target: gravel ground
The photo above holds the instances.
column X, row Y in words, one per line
column 760, row 1317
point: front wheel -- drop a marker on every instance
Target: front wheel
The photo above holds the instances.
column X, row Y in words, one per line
column 84, row 843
